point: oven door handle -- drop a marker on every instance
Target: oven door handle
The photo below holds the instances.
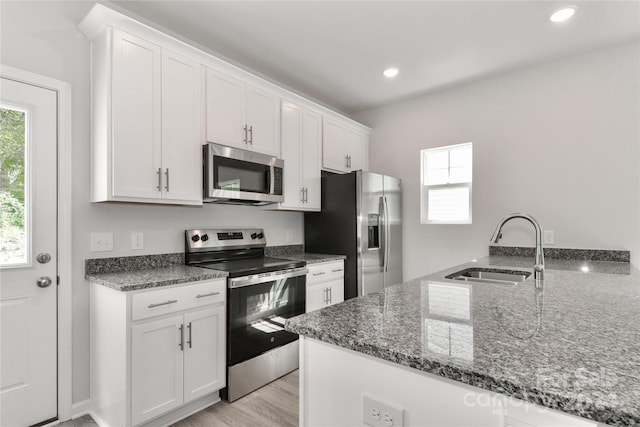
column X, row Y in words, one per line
column 239, row 282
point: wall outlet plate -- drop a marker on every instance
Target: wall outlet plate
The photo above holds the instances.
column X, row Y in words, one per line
column 137, row 240
column 378, row 413
column 101, row 242
column 548, row 237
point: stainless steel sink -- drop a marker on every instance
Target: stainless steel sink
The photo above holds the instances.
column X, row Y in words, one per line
column 490, row 275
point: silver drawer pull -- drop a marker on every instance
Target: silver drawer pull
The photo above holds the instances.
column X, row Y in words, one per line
column 171, row 301
column 337, row 271
column 320, row 274
column 207, row 295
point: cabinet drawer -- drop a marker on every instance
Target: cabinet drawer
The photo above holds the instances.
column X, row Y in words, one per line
column 163, row 301
column 319, row 273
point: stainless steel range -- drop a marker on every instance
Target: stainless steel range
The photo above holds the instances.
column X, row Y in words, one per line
column 262, row 292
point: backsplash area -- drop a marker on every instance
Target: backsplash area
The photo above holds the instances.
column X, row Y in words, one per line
column 144, row 262
column 564, row 253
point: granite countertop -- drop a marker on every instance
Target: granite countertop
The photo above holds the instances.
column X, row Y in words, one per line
column 574, row 345
column 313, row 258
column 154, row 277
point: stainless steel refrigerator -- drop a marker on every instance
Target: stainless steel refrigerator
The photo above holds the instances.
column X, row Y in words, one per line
column 361, row 218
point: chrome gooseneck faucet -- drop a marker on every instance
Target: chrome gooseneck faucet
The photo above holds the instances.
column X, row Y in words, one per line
column 538, row 268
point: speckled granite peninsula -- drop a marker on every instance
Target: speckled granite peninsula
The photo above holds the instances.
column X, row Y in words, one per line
column 573, row 345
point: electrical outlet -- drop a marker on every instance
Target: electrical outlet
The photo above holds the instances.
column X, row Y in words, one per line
column 137, row 241
column 549, row 237
column 101, row 242
column 378, row 413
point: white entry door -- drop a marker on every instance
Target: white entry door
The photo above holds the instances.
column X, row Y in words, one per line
column 28, row 254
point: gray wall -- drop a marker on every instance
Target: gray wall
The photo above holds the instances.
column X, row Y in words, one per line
column 42, row 37
column 560, row 141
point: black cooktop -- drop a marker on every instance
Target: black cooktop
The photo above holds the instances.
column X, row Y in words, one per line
column 250, row 266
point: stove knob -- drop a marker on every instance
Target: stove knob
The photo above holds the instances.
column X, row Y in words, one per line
column 205, row 237
column 260, row 236
column 195, row 238
column 254, row 236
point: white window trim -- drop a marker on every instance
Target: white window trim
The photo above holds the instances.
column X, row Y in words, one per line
column 424, row 188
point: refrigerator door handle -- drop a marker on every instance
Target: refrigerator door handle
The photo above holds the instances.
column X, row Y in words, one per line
column 387, row 234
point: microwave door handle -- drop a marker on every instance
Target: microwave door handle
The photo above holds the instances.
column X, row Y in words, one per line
column 272, row 185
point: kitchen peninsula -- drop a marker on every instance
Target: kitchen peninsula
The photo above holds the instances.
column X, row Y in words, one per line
column 456, row 353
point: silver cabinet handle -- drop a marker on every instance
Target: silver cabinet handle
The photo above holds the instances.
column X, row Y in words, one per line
column 159, row 187
column 189, row 341
column 325, row 296
column 330, row 295
column 251, row 135
column 338, row 270
column 43, row 282
column 245, row 134
column 320, row 273
column 306, row 194
column 349, row 161
column 207, row 295
column 302, row 194
column 346, row 161
column 181, row 345
column 167, row 174
column 171, row 301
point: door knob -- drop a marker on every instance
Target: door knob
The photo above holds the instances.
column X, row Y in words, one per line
column 44, row 282
column 43, row 258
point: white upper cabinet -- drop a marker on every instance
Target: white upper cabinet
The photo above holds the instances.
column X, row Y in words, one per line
column 344, row 148
column 301, row 153
column 156, row 100
column 182, row 100
column 241, row 115
column 147, row 108
column 135, row 111
column 226, row 106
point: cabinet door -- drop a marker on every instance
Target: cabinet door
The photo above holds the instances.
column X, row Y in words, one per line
column 263, row 121
column 310, row 159
column 156, row 368
column 336, row 291
column 291, row 153
column 333, row 156
column 204, row 357
column 225, row 109
column 181, row 115
column 316, row 297
column 356, row 146
column 136, row 157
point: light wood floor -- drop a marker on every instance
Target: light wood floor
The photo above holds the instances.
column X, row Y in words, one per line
column 274, row 405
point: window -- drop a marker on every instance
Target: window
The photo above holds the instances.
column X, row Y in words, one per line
column 446, row 175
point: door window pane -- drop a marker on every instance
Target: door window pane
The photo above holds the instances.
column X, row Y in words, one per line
column 13, row 226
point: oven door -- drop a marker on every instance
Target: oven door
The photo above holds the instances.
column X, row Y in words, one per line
column 257, row 309
column 234, row 174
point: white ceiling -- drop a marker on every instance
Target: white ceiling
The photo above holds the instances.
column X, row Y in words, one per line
column 335, row 51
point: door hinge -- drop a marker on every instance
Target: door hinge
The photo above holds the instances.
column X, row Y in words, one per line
column 57, row 280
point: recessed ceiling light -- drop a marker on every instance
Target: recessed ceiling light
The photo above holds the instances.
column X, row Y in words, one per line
column 562, row 14
column 391, row 72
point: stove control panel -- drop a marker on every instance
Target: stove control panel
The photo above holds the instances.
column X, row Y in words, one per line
column 221, row 239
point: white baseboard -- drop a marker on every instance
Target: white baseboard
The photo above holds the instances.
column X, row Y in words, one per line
column 81, row 408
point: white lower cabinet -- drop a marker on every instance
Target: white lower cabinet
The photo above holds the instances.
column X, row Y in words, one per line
column 157, row 355
column 325, row 285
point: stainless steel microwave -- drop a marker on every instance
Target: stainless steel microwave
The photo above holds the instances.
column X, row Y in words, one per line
column 242, row 177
